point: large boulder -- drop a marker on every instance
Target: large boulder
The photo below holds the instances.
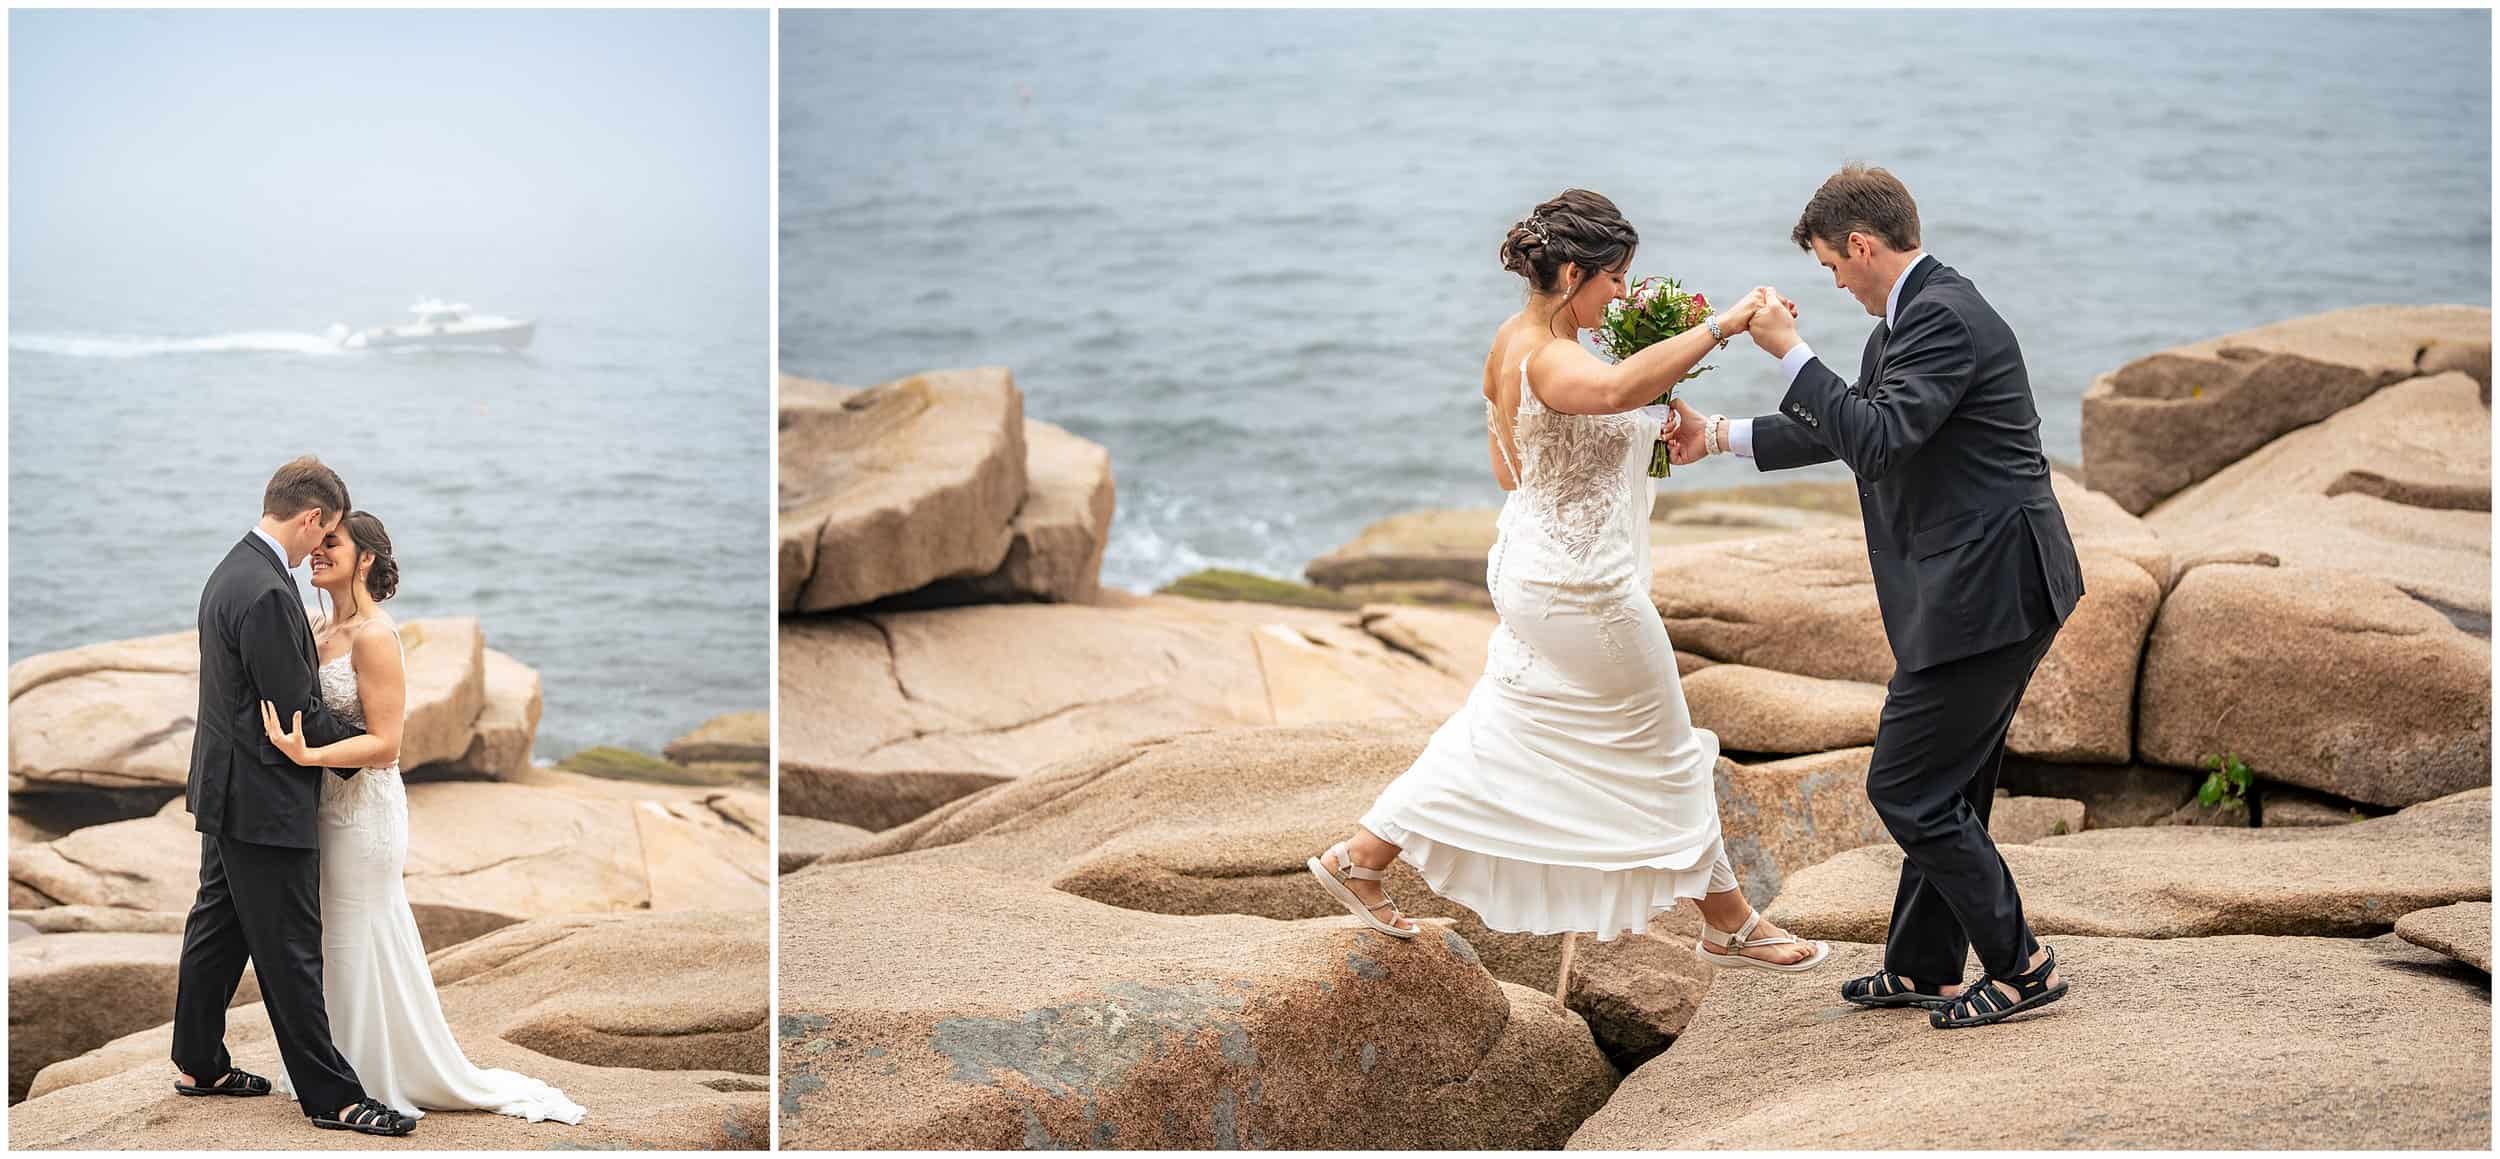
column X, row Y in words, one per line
column 1801, row 603
column 2080, row 705
column 2177, row 882
column 886, row 716
column 655, row 1023
column 481, row 855
column 506, row 731
column 2397, row 487
column 1760, row 710
column 2461, row 931
column 1776, row 1063
column 1060, row 532
column 72, row 992
column 119, row 715
column 886, row 489
column 2167, row 420
column 2325, row 679
column 1006, row 1014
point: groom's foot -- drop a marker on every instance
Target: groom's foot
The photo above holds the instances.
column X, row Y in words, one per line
column 367, row 1117
column 2038, row 985
column 241, row 1084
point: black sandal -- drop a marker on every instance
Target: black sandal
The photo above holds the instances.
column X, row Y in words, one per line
column 241, row 1084
column 369, row 1117
column 1883, row 988
column 1981, row 1004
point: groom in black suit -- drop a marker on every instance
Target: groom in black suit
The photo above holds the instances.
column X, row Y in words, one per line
column 260, row 857
column 1973, row 567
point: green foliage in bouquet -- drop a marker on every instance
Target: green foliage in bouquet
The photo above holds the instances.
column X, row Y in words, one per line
column 1655, row 310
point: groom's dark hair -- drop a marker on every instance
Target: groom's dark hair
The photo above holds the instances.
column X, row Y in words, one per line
column 302, row 483
column 1859, row 199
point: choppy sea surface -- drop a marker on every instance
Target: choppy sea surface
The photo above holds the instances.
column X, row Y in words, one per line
column 1253, row 253
column 599, row 500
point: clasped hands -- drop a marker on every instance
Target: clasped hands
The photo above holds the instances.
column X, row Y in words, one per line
column 1772, row 321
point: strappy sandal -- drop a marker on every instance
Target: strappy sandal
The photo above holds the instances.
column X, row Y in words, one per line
column 1334, row 882
column 1982, row 1004
column 1738, row 942
column 241, row 1084
column 1884, row 989
column 367, row 1117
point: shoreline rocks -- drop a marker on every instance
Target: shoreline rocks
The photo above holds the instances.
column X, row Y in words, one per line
column 2170, row 419
column 656, row 1023
column 117, row 716
column 890, row 488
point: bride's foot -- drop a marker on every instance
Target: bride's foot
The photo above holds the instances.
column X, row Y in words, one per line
column 1758, row 942
column 1358, row 888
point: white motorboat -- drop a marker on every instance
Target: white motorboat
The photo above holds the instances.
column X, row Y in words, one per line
column 440, row 323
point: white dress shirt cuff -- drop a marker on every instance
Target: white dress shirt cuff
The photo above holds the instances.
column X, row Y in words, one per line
column 1739, row 436
column 1795, row 360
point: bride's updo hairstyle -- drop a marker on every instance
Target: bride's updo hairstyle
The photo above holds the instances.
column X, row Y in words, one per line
column 364, row 530
column 1579, row 228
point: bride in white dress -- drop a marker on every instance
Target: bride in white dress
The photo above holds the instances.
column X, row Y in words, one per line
column 379, row 990
column 1571, row 793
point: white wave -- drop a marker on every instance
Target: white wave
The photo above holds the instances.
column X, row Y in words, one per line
column 147, row 346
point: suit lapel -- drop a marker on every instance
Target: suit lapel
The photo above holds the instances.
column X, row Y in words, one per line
column 1916, row 281
column 303, row 638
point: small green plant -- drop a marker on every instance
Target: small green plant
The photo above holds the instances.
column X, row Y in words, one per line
column 2226, row 780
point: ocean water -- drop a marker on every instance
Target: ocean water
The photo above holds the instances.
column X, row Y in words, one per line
column 599, row 500
column 1253, row 253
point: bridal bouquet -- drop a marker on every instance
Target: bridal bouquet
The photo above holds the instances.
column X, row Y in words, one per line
column 1655, row 310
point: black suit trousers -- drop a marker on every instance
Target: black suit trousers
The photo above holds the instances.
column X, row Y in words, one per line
column 1938, row 751
column 261, row 902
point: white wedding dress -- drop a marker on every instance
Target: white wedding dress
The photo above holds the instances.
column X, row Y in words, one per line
column 1571, row 792
column 384, row 1014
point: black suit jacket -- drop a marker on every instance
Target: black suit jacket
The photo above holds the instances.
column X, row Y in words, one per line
column 1968, row 545
column 255, row 645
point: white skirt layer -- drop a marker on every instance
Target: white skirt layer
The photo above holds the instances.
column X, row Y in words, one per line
column 1571, row 793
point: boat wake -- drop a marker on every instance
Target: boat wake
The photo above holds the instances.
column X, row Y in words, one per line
column 148, row 346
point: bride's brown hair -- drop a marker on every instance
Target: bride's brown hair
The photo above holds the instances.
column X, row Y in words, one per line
column 364, row 531
column 1578, row 228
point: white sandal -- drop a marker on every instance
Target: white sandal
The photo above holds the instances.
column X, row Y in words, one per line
column 1737, row 942
column 1334, row 882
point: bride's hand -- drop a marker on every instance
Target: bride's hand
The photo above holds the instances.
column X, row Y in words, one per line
column 290, row 742
column 1737, row 319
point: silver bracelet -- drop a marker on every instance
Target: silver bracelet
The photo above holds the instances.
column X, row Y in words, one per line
column 1716, row 334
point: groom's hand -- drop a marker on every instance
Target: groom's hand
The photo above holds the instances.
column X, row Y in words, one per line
column 1775, row 327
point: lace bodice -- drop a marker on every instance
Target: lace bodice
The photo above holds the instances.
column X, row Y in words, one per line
column 373, row 797
column 1582, row 481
